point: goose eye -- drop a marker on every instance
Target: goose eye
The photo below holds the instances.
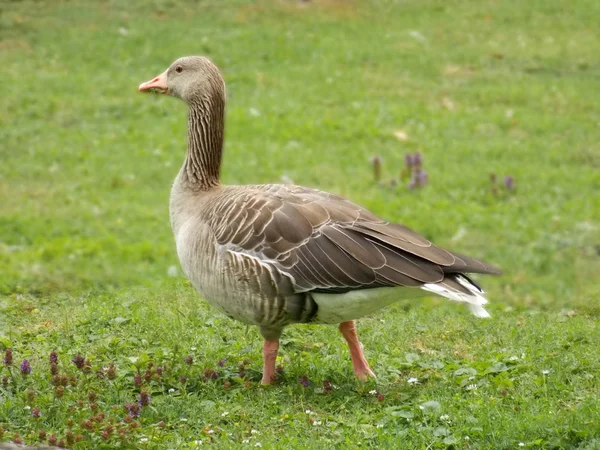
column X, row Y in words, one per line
column 178, row 69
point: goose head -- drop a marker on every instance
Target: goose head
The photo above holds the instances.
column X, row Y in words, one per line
column 191, row 79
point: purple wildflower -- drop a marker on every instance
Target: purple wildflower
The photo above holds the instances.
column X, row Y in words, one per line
column 408, row 160
column 35, row 413
column 509, row 182
column 69, row 437
column 327, row 386
column 417, row 159
column 78, row 360
column 189, row 360
column 421, row 177
column 53, row 357
column 111, row 372
column 54, row 368
column 25, row 367
column 133, row 409
column 210, row 374
column 8, row 357
column 148, row 375
column 137, row 380
column 418, row 179
column 413, row 182
column 222, row 362
column 304, row 381
column 144, row 399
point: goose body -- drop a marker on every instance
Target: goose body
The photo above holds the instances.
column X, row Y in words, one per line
column 274, row 255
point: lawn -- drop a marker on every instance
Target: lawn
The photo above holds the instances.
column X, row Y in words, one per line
column 315, row 90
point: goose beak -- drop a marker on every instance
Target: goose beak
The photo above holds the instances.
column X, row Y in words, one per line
column 158, row 84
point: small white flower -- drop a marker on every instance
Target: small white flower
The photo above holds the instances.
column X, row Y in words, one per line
column 225, row 413
column 258, row 444
column 246, row 441
column 183, row 419
column 379, row 425
column 171, row 390
column 210, row 431
column 144, row 439
column 316, row 423
column 521, row 444
column 27, row 407
column 193, row 349
column 413, row 381
column 545, row 371
column 198, row 442
column 308, row 411
column 471, row 387
column 513, row 358
column 372, row 392
column 254, row 431
column 467, row 438
column 444, row 417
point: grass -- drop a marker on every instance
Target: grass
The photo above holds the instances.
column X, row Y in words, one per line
column 87, row 261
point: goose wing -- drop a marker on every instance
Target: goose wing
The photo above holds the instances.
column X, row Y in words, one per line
column 325, row 243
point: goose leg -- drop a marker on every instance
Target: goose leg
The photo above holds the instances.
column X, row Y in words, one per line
column 359, row 362
column 270, row 349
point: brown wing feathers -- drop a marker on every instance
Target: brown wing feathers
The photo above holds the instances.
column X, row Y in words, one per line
column 329, row 244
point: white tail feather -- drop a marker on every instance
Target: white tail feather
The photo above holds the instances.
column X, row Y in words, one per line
column 474, row 300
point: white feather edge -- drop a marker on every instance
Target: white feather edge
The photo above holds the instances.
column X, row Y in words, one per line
column 336, row 308
column 473, row 301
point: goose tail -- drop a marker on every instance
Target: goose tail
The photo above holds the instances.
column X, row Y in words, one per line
column 460, row 288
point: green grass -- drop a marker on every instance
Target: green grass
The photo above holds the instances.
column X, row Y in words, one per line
column 87, row 260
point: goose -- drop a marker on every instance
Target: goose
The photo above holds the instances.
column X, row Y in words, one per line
column 272, row 255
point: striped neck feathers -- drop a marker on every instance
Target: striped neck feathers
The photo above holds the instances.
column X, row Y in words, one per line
column 206, row 123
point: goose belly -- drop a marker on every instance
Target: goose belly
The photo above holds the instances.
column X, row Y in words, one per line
column 336, row 308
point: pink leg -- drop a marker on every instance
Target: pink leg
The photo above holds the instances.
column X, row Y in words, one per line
column 270, row 349
column 359, row 363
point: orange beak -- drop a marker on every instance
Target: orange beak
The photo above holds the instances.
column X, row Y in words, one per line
column 159, row 84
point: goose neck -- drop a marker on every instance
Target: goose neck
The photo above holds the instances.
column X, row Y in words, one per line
column 205, row 143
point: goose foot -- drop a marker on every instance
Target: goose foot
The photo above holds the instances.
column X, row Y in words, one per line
column 270, row 349
column 362, row 371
